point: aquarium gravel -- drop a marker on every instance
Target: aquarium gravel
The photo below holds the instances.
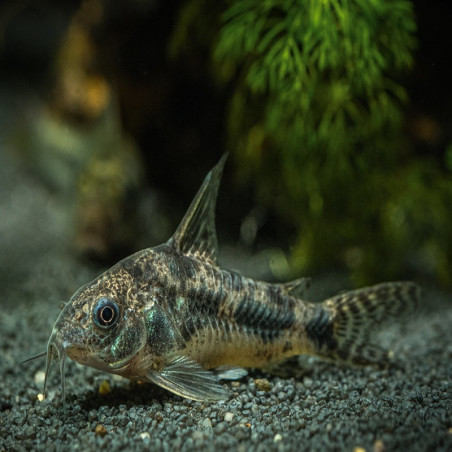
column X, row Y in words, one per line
column 325, row 407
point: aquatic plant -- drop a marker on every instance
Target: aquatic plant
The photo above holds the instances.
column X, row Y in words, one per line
column 315, row 119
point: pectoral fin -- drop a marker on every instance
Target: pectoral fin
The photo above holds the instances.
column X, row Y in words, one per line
column 187, row 378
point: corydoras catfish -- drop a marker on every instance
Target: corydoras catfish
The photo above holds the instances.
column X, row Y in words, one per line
column 171, row 316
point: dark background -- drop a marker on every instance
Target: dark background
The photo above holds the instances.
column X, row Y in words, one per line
column 173, row 109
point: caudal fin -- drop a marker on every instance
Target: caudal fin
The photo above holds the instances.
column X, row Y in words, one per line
column 342, row 326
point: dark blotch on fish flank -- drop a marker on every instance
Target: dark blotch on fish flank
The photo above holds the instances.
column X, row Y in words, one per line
column 371, row 308
column 268, row 336
column 204, row 300
column 266, row 321
column 354, row 308
column 287, row 346
column 234, row 282
column 136, row 272
column 277, row 298
column 189, row 328
column 413, row 291
column 194, row 325
column 320, row 329
column 187, row 267
column 382, row 292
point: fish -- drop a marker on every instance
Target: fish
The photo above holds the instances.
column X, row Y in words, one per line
column 171, row 316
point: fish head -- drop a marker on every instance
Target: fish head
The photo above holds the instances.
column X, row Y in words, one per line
column 101, row 326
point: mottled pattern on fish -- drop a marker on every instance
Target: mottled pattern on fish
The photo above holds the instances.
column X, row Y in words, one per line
column 221, row 316
column 170, row 315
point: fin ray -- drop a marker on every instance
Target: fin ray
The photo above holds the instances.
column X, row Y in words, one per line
column 296, row 288
column 187, row 378
column 196, row 235
column 341, row 326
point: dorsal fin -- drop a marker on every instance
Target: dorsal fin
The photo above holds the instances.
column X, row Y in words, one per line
column 196, row 235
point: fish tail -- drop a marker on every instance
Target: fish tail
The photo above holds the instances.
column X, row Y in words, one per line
column 341, row 326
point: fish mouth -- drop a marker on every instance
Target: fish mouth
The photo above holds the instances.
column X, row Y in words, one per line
column 76, row 353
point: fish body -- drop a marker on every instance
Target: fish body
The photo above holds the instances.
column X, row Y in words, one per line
column 171, row 316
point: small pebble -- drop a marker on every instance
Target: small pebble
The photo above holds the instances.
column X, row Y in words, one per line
column 228, row 417
column 39, row 377
column 146, row 437
column 104, row 388
column 100, row 430
column 379, row 446
column 262, row 384
column 207, row 423
column 197, row 435
column 220, row 428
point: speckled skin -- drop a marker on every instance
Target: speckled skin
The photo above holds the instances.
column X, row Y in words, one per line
column 179, row 313
column 173, row 304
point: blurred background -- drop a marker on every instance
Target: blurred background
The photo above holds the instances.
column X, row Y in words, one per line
column 337, row 116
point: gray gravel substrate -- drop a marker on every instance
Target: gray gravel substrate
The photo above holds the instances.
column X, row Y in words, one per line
column 406, row 407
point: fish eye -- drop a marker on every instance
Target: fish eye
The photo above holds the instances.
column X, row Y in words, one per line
column 105, row 312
